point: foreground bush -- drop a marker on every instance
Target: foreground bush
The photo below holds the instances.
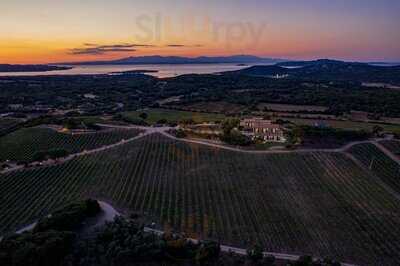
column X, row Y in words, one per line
column 124, row 242
column 36, row 249
column 70, row 217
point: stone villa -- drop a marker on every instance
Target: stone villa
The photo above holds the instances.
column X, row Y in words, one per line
column 264, row 129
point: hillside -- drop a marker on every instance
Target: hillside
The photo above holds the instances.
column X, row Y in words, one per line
column 23, row 144
column 300, row 203
column 330, row 70
column 156, row 59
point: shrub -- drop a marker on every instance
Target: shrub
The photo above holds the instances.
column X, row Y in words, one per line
column 144, row 116
column 70, row 217
column 255, row 253
column 180, row 133
column 36, row 249
column 49, row 154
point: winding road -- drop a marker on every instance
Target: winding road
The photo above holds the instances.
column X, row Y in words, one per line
column 146, row 131
column 109, row 213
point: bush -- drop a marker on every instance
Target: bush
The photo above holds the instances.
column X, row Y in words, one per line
column 162, row 121
column 36, row 249
column 255, row 253
column 134, row 121
column 124, row 242
column 231, row 135
column 235, row 137
column 49, row 154
column 71, row 123
column 180, row 133
column 70, row 217
column 51, row 240
column 268, row 261
column 144, row 116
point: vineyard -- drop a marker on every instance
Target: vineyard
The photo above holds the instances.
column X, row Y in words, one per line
column 7, row 123
column 379, row 163
column 313, row 203
column 392, row 145
column 22, row 144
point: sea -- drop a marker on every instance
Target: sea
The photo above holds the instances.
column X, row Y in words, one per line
column 163, row 71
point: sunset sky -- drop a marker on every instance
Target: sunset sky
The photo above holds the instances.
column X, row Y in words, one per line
column 43, row 31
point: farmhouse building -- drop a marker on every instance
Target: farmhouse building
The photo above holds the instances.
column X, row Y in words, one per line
column 264, row 129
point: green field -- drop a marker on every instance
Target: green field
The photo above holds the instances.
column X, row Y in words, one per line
column 22, row 144
column 155, row 115
column 300, row 203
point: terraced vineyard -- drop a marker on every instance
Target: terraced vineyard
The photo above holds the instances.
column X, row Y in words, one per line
column 22, row 144
column 379, row 163
column 7, row 123
column 316, row 203
column 392, row 145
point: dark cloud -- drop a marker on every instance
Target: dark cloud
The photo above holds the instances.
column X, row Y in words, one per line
column 182, row 45
column 97, row 49
column 176, row 45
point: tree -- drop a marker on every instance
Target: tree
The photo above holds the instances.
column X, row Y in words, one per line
column 231, row 135
column 144, row 116
column 229, row 124
column 162, row 121
column 303, row 261
column 296, row 135
column 180, row 133
column 377, row 130
column 268, row 261
column 255, row 253
column 71, row 123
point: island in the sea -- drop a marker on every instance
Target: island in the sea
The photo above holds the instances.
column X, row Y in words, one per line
column 133, row 72
column 31, row 68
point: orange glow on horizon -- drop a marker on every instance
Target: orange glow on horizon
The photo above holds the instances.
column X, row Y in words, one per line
column 21, row 51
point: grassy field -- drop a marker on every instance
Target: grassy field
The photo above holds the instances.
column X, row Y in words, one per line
column 215, row 107
column 313, row 203
column 155, row 115
column 22, row 144
column 343, row 124
column 291, row 107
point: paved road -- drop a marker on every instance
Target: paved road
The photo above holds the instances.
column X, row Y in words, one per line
column 243, row 252
column 164, row 131
column 109, row 213
column 387, row 152
column 85, row 152
column 221, row 146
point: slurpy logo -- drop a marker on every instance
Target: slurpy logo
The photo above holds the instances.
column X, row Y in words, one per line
column 159, row 28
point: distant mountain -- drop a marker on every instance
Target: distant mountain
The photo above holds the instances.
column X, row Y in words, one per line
column 325, row 69
column 384, row 63
column 30, row 68
column 142, row 60
column 318, row 62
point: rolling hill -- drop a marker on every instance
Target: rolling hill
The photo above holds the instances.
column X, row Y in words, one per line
column 325, row 69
